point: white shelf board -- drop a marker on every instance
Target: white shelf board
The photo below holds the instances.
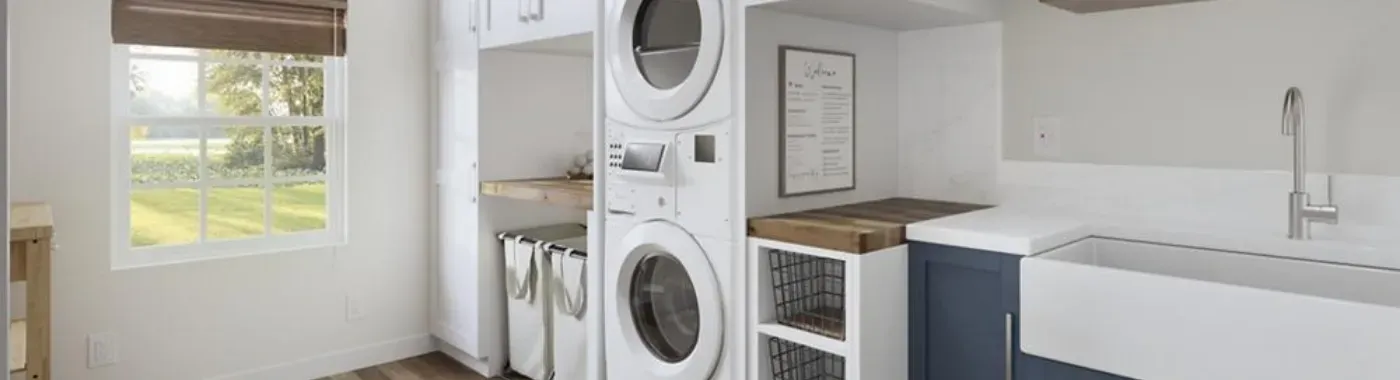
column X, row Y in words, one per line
column 891, row 14
column 804, row 338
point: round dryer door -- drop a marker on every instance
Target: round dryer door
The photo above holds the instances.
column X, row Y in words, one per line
column 669, row 307
column 664, row 53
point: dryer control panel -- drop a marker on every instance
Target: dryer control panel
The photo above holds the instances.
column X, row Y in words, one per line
column 683, row 176
column 641, row 174
column 614, row 155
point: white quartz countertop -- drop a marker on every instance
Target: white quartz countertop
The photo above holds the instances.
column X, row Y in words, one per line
column 1030, row 231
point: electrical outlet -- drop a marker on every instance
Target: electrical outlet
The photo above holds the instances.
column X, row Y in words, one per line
column 1047, row 136
column 102, row 350
column 353, row 309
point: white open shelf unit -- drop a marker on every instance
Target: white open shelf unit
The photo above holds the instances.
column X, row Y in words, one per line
column 876, row 305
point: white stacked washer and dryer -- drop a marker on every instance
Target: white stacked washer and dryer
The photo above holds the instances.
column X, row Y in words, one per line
column 669, row 290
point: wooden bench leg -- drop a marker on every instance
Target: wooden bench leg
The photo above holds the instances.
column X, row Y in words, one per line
column 37, row 268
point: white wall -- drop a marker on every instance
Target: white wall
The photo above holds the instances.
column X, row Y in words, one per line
column 1202, row 84
column 950, row 112
column 877, row 126
column 212, row 318
column 536, row 112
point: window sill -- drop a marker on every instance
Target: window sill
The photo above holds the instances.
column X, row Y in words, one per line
column 147, row 257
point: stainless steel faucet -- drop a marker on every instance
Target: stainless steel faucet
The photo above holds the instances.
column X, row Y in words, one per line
column 1301, row 212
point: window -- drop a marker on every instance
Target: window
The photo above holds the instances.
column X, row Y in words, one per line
column 224, row 152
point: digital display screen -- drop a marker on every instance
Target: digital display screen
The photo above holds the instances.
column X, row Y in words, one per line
column 644, row 157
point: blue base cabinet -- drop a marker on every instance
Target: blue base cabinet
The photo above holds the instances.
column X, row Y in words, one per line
column 963, row 308
column 959, row 302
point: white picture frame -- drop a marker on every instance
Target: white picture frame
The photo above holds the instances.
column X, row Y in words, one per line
column 816, row 121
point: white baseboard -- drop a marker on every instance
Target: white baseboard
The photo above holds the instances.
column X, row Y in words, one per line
column 480, row 366
column 339, row 361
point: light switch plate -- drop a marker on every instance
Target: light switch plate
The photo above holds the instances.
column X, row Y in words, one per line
column 354, row 311
column 1047, row 136
column 102, row 350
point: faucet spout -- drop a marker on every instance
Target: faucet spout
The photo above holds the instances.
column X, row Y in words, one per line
column 1301, row 211
column 1292, row 110
column 1293, row 126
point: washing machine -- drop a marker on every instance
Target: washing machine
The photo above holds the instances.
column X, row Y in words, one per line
column 670, row 286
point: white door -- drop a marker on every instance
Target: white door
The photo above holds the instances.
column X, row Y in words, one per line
column 664, row 53
column 457, row 315
column 669, row 312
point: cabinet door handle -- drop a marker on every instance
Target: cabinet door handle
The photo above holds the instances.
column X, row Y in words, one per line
column 487, row 11
column 1010, row 348
column 474, row 19
column 522, row 9
column 538, row 13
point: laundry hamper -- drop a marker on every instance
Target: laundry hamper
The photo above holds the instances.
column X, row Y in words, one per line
column 528, row 305
column 568, row 273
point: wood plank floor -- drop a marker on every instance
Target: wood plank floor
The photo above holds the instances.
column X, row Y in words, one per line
column 434, row 366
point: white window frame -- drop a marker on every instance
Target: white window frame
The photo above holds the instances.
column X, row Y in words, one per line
column 333, row 119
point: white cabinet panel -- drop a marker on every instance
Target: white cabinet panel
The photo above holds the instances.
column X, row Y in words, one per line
column 458, row 265
column 457, row 317
column 517, row 22
column 505, row 22
column 561, row 18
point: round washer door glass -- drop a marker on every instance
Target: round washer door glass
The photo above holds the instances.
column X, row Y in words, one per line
column 666, row 41
column 665, row 307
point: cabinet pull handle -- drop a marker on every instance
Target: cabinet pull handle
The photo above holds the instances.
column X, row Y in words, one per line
column 475, row 16
column 522, row 9
column 1010, row 349
column 538, row 14
column 487, row 11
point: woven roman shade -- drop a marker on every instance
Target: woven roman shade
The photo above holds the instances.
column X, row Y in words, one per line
column 280, row 26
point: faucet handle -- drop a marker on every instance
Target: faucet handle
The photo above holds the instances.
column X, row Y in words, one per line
column 1326, row 214
column 1329, row 190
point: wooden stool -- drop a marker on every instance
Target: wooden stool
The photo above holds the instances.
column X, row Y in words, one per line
column 31, row 238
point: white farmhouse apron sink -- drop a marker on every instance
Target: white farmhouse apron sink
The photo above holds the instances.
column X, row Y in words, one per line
column 1154, row 311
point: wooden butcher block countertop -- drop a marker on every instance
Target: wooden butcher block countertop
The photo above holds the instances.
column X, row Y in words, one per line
column 854, row 228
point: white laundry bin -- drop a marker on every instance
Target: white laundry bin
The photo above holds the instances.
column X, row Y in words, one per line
column 568, row 272
column 528, row 300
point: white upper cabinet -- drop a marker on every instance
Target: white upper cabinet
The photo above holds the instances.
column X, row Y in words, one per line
column 516, row 22
column 504, row 22
column 893, row 14
column 561, row 18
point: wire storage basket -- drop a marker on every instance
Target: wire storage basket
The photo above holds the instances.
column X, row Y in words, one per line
column 809, row 292
column 792, row 361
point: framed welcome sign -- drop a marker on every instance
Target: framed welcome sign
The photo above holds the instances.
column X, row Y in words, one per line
column 816, row 121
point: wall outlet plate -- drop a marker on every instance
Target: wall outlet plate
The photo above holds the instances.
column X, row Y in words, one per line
column 354, row 311
column 102, row 350
column 1047, row 136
